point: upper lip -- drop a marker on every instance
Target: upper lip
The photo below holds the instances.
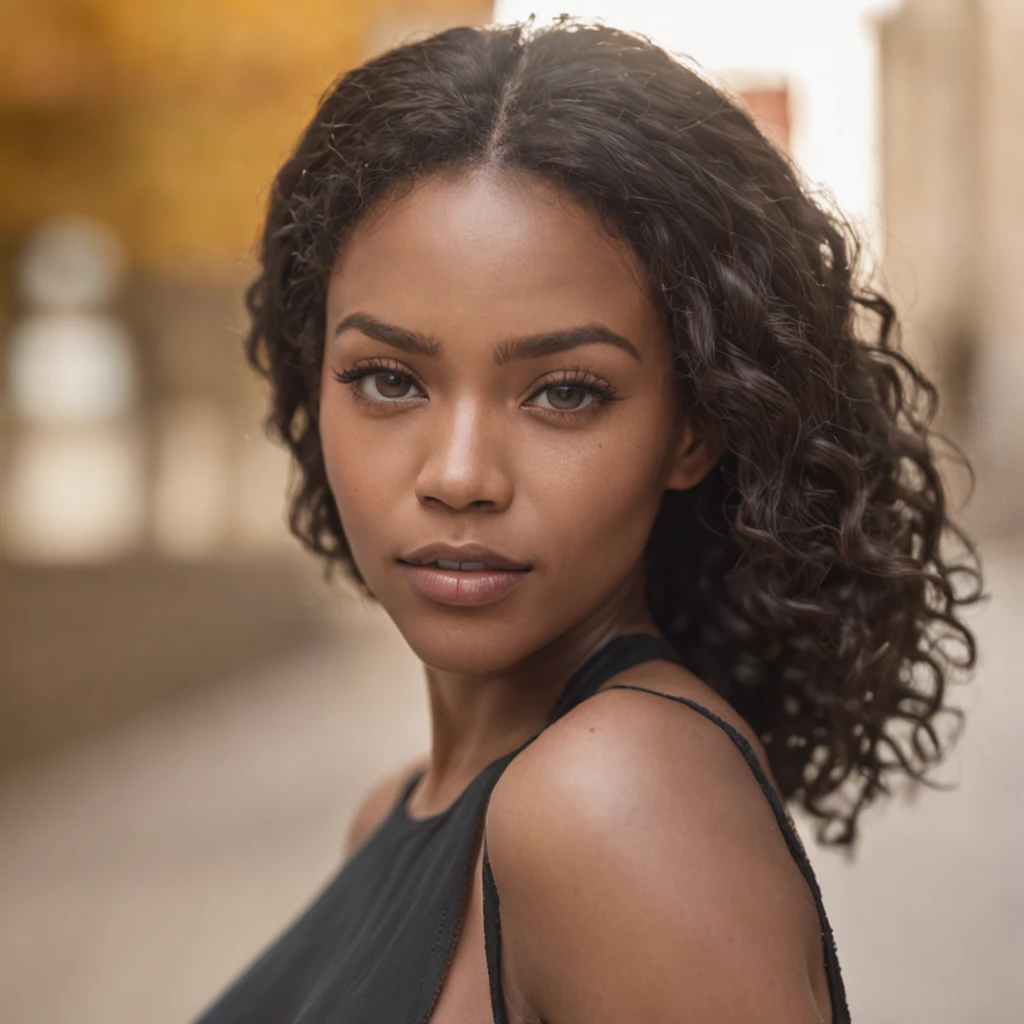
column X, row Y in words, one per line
column 468, row 553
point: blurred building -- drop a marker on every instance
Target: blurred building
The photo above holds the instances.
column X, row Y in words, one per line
column 952, row 149
column 142, row 539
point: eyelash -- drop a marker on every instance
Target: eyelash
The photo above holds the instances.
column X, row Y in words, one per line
column 602, row 391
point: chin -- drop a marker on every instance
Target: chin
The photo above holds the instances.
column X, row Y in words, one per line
column 470, row 641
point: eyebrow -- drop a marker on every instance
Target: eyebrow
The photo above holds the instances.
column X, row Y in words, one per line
column 389, row 334
column 530, row 347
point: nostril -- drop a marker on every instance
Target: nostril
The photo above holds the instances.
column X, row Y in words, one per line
column 476, row 503
column 430, row 500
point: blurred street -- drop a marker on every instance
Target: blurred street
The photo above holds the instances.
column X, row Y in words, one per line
column 142, row 869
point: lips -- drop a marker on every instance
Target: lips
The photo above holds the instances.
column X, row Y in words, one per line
column 471, row 575
column 467, row 558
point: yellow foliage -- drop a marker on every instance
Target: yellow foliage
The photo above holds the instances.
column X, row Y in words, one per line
column 168, row 118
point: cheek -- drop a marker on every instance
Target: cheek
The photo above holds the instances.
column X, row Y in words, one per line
column 363, row 474
column 598, row 501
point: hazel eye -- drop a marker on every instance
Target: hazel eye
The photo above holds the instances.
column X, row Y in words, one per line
column 566, row 397
column 388, row 385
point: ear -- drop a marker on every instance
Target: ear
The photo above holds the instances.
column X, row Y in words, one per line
column 699, row 445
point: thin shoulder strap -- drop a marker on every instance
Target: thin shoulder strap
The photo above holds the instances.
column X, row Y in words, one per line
column 492, row 940
column 837, row 992
column 617, row 655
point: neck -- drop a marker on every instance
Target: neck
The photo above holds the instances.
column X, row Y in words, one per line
column 476, row 719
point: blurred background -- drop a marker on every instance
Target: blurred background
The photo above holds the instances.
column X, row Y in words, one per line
column 188, row 714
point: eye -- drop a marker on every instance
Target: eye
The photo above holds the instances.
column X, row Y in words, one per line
column 374, row 382
column 565, row 397
column 574, row 392
column 388, row 386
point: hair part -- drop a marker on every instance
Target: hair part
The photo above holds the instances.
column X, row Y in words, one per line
column 806, row 578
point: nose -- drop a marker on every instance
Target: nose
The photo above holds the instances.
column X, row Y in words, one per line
column 465, row 464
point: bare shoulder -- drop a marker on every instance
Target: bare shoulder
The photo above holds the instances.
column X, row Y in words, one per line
column 675, row 681
column 631, row 842
column 656, row 739
column 623, row 748
column 378, row 801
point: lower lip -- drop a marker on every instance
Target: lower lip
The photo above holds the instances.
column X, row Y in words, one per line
column 456, row 586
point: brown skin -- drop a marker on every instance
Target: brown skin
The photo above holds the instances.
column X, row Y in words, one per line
column 707, row 911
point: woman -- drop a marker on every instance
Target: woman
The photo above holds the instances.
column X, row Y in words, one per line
column 583, row 389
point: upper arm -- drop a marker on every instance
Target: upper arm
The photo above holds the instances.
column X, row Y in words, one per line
column 375, row 806
column 643, row 876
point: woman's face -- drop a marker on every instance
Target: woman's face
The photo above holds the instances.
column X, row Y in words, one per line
column 505, row 383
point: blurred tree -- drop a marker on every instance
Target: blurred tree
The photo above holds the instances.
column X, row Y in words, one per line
column 167, row 119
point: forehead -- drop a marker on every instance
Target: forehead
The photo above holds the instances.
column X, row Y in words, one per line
column 501, row 252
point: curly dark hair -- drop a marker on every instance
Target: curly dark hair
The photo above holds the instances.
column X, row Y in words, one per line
column 803, row 578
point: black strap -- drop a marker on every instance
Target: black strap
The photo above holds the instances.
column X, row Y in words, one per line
column 492, row 941
column 837, row 992
column 617, row 655
column 492, row 914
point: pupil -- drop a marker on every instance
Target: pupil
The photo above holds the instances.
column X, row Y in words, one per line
column 397, row 384
column 564, row 394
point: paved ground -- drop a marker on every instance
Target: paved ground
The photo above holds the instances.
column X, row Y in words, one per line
column 140, row 872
